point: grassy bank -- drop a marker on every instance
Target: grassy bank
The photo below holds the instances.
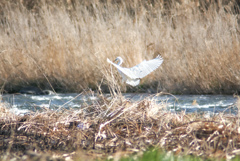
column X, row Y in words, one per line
column 64, row 44
column 114, row 127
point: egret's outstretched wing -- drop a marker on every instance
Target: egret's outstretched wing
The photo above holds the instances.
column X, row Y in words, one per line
column 146, row 67
column 126, row 71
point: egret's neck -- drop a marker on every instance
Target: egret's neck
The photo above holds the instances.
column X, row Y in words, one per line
column 120, row 60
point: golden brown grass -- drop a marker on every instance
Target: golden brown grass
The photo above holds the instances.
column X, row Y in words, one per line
column 66, row 43
column 114, row 127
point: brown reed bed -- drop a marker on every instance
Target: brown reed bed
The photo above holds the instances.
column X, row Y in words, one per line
column 64, row 44
column 114, row 126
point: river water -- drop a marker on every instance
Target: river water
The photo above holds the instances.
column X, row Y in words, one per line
column 21, row 104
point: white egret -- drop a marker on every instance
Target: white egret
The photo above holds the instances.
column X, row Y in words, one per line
column 133, row 75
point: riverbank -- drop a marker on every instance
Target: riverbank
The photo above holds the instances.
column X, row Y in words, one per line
column 115, row 127
column 63, row 45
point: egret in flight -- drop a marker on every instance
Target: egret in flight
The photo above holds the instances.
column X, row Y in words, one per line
column 133, row 75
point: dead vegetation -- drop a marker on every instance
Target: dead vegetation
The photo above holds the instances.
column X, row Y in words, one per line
column 115, row 126
column 66, row 43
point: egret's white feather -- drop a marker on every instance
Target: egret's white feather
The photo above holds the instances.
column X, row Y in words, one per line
column 133, row 75
column 133, row 82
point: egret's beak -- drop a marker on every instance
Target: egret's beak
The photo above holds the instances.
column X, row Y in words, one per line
column 115, row 60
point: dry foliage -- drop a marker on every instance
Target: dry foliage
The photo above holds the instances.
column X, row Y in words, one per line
column 116, row 126
column 66, row 43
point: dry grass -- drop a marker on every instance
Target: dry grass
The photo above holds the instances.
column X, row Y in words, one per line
column 65, row 43
column 116, row 126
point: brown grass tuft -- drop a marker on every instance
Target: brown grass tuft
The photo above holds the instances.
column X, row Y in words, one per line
column 114, row 126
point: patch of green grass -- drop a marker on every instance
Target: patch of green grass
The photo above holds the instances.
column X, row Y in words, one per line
column 158, row 155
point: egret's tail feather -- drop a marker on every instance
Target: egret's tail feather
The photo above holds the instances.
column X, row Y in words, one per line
column 133, row 82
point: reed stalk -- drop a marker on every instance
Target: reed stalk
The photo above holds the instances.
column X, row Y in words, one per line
column 64, row 44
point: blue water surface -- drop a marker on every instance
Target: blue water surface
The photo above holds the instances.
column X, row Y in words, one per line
column 22, row 103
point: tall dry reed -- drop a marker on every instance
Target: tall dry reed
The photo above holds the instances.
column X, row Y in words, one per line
column 66, row 43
